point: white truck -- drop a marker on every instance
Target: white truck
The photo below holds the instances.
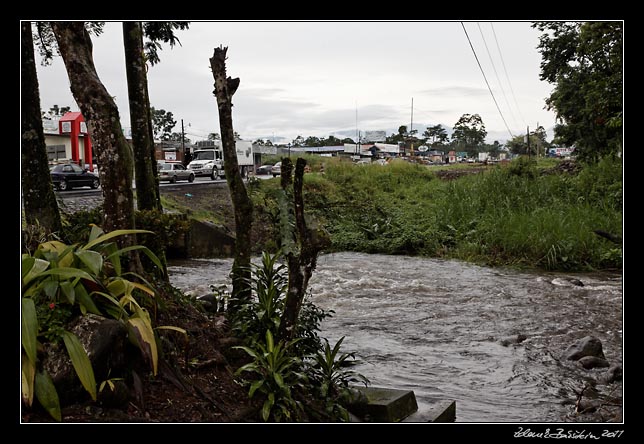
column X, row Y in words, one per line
column 208, row 159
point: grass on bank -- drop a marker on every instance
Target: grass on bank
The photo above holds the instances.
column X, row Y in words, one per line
column 508, row 215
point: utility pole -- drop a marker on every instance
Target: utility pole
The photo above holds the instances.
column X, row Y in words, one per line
column 411, row 130
column 528, row 139
column 357, row 149
column 183, row 145
column 538, row 142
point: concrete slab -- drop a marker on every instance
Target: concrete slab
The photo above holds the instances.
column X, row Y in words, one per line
column 384, row 404
column 436, row 410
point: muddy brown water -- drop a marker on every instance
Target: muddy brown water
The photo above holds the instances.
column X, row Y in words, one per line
column 436, row 326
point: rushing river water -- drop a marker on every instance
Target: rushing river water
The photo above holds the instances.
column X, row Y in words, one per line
column 436, row 327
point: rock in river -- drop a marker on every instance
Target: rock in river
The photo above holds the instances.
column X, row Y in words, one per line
column 586, row 346
column 514, row 339
column 589, row 362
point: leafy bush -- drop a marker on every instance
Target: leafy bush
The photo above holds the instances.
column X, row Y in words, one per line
column 60, row 282
column 276, row 372
column 330, row 375
column 265, row 309
column 276, row 369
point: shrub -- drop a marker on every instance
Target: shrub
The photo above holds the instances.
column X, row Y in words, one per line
column 60, row 282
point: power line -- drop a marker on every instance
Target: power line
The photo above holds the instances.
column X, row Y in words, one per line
column 486, row 82
column 514, row 120
column 506, row 75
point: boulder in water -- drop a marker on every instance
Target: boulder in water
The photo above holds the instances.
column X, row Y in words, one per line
column 589, row 362
column 613, row 374
column 586, row 346
column 514, row 339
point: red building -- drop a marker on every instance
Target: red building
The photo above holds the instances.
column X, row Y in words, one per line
column 73, row 123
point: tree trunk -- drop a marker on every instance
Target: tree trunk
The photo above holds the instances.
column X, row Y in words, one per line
column 146, row 175
column 104, row 126
column 302, row 258
column 225, row 87
column 38, row 195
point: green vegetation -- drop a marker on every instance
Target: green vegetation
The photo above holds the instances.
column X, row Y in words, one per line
column 584, row 62
column 299, row 378
column 522, row 214
column 62, row 282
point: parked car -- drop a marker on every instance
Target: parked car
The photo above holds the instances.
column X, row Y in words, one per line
column 66, row 176
column 276, row 170
column 173, row 172
column 264, row 169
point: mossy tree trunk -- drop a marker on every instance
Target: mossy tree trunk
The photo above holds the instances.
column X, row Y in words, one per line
column 146, row 175
column 104, row 126
column 225, row 87
column 38, row 195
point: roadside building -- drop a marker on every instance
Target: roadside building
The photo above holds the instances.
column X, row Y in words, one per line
column 436, row 156
column 378, row 150
column 67, row 139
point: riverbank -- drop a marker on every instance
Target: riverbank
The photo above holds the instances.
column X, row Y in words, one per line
column 543, row 217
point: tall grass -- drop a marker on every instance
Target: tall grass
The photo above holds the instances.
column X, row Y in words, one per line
column 506, row 215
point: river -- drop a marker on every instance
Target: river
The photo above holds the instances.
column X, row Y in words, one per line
column 436, row 327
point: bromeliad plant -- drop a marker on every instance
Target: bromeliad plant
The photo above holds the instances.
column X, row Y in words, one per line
column 275, row 371
column 330, row 374
column 264, row 311
column 62, row 281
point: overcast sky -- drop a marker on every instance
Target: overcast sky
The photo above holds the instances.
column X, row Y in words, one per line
column 322, row 78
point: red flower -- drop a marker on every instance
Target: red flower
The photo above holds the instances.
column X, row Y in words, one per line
column 52, row 306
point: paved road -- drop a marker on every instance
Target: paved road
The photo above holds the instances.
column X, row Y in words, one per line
column 84, row 199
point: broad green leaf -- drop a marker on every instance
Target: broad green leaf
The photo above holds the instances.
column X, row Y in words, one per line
column 141, row 312
column 85, row 301
column 269, row 341
column 108, row 249
column 28, row 374
column 153, row 257
column 141, row 331
column 250, row 367
column 266, row 410
column 38, row 266
column 95, row 232
column 81, row 362
column 111, row 235
column 92, row 260
column 50, row 287
column 118, row 287
column 278, row 380
column 68, row 290
column 254, row 386
column 29, row 328
column 67, row 273
column 26, row 265
column 143, row 288
column 128, row 300
column 56, row 246
column 47, row 395
column 61, row 250
column 248, row 350
column 110, row 298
